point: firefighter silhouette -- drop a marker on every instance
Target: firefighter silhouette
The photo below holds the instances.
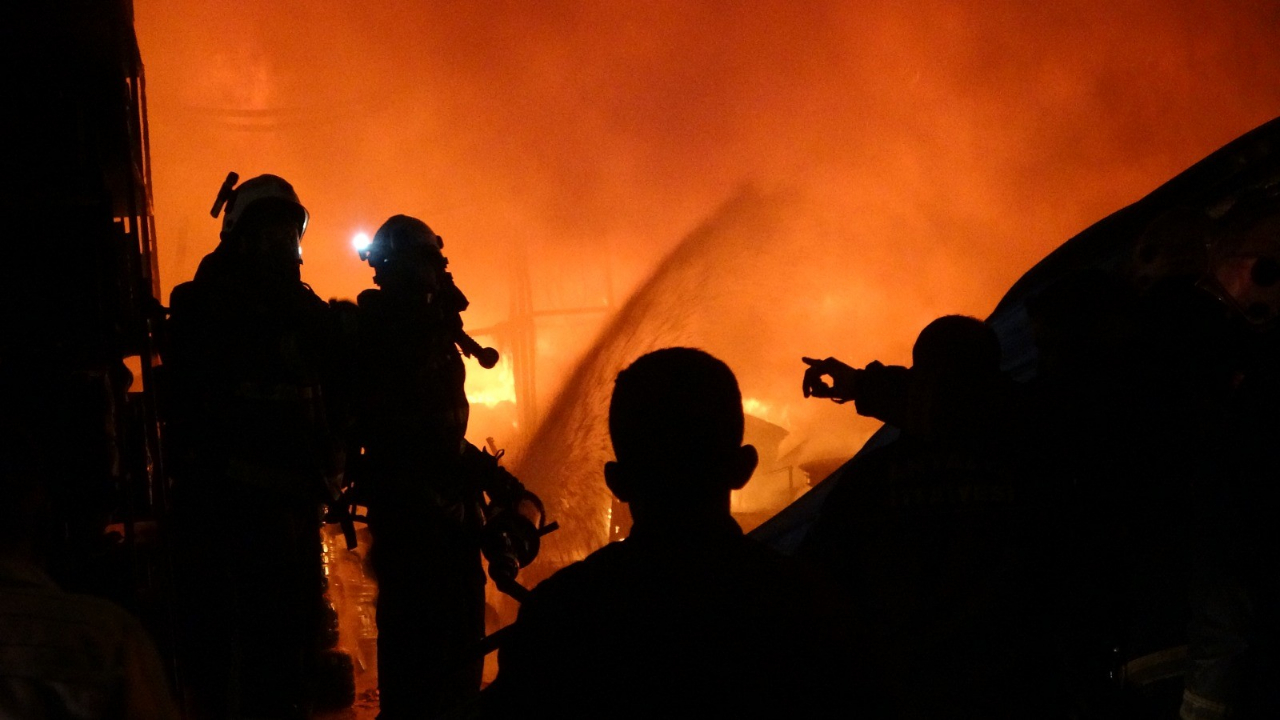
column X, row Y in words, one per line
column 253, row 459
column 426, row 488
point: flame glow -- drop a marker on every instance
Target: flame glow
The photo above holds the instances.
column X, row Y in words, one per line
column 908, row 160
column 938, row 150
column 491, row 387
column 765, row 411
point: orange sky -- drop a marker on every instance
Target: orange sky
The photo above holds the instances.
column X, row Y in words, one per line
column 932, row 152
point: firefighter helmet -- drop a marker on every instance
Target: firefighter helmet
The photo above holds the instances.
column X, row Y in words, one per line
column 401, row 236
column 235, row 202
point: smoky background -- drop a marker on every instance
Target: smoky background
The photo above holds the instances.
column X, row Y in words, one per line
column 865, row 166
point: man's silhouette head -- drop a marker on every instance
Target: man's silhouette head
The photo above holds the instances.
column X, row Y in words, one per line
column 676, row 422
column 957, row 344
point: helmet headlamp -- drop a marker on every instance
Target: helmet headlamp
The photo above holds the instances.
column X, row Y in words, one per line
column 362, row 244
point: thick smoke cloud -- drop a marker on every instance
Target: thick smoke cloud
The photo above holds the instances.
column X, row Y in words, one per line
column 937, row 149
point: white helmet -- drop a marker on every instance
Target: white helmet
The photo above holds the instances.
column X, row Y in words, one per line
column 263, row 187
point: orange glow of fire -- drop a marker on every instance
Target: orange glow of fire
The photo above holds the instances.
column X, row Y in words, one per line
column 943, row 147
column 766, row 411
column 493, row 386
column 927, row 154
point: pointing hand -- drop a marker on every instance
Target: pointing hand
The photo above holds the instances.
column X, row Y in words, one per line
column 842, row 384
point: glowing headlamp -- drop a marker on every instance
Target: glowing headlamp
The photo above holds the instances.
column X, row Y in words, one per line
column 362, row 242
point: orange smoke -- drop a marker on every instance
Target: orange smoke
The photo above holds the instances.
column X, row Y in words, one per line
column 937, row 149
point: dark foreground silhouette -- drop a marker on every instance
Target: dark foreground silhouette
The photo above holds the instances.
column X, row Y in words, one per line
column 686, row 617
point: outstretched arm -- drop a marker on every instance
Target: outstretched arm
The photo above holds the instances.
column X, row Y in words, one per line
column 842, row 386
